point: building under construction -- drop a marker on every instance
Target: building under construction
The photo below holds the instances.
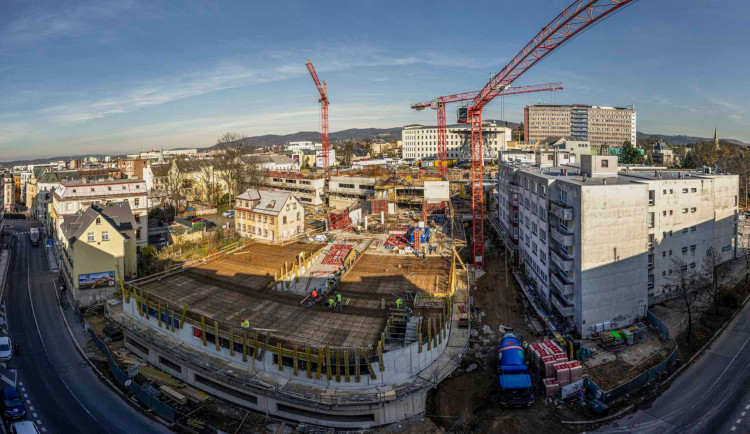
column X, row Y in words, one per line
column 242, row 325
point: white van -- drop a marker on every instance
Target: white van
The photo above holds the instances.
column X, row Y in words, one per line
column 24, row 427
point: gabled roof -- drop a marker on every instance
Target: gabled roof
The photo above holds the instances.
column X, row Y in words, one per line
column 160, row 169
column 268, row 202
column 117, row 214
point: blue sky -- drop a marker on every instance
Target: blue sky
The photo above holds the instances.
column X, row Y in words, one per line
column 117, row 76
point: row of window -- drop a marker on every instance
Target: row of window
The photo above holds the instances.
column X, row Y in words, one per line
column 92, row 236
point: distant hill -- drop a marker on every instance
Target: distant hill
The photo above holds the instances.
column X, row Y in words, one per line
column 683, row 140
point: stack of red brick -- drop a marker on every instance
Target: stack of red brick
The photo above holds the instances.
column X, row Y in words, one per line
column 550, row 361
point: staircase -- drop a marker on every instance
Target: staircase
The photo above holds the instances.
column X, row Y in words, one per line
column 410, row 336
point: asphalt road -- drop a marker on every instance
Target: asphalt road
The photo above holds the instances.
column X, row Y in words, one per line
column 711, row 396
column 61, row 392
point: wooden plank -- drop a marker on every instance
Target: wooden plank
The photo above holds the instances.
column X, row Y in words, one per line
column 356, row 365
column 295, row 360
column 182, row 319
column 231, row 341
column 346, row 366
column 309, row 362
column 279, row 357
column 203, row 329
column 244, row 345
column 158, row 312
column 328, row 363
column 369, row 366
column 216, row 335
column 336, row 355
column 320, row 364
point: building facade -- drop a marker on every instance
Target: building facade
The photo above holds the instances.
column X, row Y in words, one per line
column 98, row 250
column 309, row 190
column 267, row 215
column 595, row 124
column 71, row 197
column 9, row 193
column 599, row 245
column 420, row 142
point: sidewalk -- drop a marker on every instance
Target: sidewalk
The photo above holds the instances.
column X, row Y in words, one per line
column 4, row 263
column 51, row 259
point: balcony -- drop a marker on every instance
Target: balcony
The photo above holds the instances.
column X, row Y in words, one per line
column 563, row 284
column 565, row 308
column 561, row 211
column 562, row 262
column 562, row 239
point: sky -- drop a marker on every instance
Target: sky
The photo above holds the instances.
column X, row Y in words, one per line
column 113, row 77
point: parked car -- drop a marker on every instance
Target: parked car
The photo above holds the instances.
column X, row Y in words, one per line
column 12, row 405
column 24, row 427
column 196, row 219
column 190, row 217
column 6, row 349
column 162, row 242
column 228, row 213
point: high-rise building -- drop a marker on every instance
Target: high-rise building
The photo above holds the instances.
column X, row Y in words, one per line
column 599, row 245
column 596, row 124
column 420, row 142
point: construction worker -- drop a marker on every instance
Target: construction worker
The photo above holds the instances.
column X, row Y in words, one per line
column 338, row 302
column 315, row 295
column 245, row 323
column 399, row 302
column 331, row 303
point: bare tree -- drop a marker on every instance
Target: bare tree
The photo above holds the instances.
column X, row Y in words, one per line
column 210, row 186
column 238, row 170
column 743, row 241
column 716, row 277
column 687, row 286
column 174, row 186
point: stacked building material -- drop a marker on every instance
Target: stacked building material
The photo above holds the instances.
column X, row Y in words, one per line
column 562, row 373
column 379, row 205
column 336, row 254
column 339, row 221
column 575, row 370
column 547, row 366
column 551, row 387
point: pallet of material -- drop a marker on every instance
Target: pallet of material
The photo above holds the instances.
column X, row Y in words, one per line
column 575, row 370
column 173, row 394
column 551, row 387
column 562, row 373
column 548, row 363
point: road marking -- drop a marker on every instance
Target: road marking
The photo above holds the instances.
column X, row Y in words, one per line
column 39, row 332
column 31, row 408
column 44, row 429
column 35, row 415
column 738, row 421
column 23, row 389
column 28, row 401
column 742, row 414
column 712, row 386
column 734, row 428
column 747, row 407
column 25, row 395
column 38, row 422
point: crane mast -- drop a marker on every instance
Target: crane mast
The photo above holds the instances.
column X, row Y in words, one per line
column 569, row 23
column 323, row 100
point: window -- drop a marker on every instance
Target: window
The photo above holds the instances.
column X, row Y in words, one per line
column 265, row 232
column 651, row 220
column 670, row 212
column 91, row 237
column 563, row 196
column 671, row 191
column 105, row 235
column 670, row 253
column 684, row 231
column 692, row 229
column 663, row 254
column 684, row 190
column 664, row 212
column 137, row 201
column 693, row 209
column 284, row 221
column 684, row 250
column 670, row 233
column 684, row 210
column 270, row 220
column 651, row 197
column 726, row 248
column 98, row 220
column 692, row 265
column 605, row 163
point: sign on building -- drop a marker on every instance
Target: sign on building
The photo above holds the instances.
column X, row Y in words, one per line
column 573, row 389
column 96, row 280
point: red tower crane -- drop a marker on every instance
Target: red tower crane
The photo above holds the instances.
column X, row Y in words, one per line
column 439, row 105
column 569, row 23
column 323, row 100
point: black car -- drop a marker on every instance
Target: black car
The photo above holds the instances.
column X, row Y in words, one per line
column 12, row 404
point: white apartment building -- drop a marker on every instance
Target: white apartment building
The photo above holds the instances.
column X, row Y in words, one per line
column 420, row 142
column 347, row 191
column 303, row 146
column 71, row 197
column 599, row 245
column 309, row 191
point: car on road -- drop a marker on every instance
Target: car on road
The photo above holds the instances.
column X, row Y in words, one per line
column 24, row 427
column 228, row 213
column 12, row 405
column 6, row 348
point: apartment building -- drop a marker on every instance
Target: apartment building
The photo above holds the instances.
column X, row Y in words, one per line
column 420, row 142
column 71, row 197
column 269, row 215
column 347, row 191
column 132, row 167
column 309, row 190
column 9, row 193
column 595, row 124
column 98, row 249
column 599, row 245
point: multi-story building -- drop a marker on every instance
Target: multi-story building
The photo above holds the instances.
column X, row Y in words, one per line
column 347, row 191
column 420, row 142
column 599, row 245
column 269, row 215
column 596, row 124
column 303, row 146
column 132, row 167
column 98, row 249
column 308, row 189
column 662, row 154
column 9, row 193
column 71, row 197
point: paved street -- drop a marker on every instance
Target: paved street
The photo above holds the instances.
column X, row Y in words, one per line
column 61, row 392
column 711, row 396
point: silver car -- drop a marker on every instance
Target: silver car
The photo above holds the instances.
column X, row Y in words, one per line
column 6, row 348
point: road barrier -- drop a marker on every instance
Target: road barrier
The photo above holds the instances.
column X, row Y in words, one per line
column 163, row 410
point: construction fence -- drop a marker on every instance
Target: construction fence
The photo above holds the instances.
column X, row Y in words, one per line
column 660, row 327
column 163, row 410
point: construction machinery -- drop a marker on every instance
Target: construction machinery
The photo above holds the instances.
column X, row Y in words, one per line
column 513, row 379
column 439, row 105
column 323, row 100
column 567, row 25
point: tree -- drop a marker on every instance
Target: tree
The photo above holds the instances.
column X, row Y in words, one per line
column 230, row 163
column 348, row 154
column 629, row 154
column 687, row 286
column 689, row 162
column 210, row 186
column 174, row 186
column 717, row 276
column 744, row 247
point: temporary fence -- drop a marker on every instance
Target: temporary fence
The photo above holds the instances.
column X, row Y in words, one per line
column 658, row 325
column 635, row 383
column 163, row 410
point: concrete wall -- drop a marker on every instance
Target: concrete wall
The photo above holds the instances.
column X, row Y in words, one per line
column 610, row 262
